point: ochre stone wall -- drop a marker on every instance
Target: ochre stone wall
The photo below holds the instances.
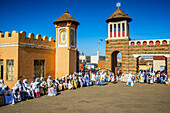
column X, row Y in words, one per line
column 24, row 50
column 26, row 62
column 9, row 53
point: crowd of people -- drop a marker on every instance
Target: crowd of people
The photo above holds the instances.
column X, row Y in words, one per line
column 23, row 91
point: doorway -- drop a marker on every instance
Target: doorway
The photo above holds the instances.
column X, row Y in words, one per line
column 116, row 62
column 1, row 69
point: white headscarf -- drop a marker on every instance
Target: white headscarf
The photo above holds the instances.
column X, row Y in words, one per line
column 26, row 84
column 15, row 88
column 18, row 85
column 49, row 81
column 2, row 83
column 56, row 80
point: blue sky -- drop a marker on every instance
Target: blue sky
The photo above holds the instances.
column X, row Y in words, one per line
column 150, row 18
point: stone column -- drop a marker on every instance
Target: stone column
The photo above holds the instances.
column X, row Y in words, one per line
column 68, row 36
column 112, row 30
column 109, row 30
column 125, row 26
column 121, row 30
column 117, row 30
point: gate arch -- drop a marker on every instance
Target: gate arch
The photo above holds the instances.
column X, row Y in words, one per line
column 114, row 62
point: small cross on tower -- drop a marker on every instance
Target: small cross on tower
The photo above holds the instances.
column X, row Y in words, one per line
column 118, row 4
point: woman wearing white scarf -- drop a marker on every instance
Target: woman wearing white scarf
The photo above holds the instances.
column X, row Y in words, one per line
column 27, row 88
column 81, row 81
column 49, row 81
column 1, row 85
column 36, row 87
column 70, row 86
column 19, row 85
column 1, row 92
column 43, row 86
column 129, row 79
column 93, row 78
column 112, row 78
column 142, row 77
column 16, row 93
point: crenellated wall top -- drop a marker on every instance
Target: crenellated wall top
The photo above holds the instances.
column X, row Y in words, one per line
column 20, row 38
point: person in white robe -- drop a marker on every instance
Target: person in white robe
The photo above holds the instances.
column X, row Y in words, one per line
column 16, row 93
column 93, row 78
column 129, row 79
column 132, row 80
column 28, row 89
column 49, row 81
column 81, row 81
column 70, row 86
column 52, row 90
column 113, row 78
column 142, row 78
column 1, row 85
column 36, row 87
column 43, row 86
column 65, row 83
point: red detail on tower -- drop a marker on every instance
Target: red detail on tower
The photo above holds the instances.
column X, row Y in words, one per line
column 119, row 34
column 114, row 34
column 110, row 34
column 123, row 33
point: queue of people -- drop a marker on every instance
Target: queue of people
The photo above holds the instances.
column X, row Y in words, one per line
column 23, row 91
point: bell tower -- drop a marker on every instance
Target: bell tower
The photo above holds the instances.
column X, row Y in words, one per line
column 117, row 42
column 118, row 27
column 66, row 45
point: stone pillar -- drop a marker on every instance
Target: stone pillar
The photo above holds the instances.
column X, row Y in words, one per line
column 121, row 30
column 68, row 36
column 109, row 30
column 117, row 30
column 112, row 30
column 125, row 26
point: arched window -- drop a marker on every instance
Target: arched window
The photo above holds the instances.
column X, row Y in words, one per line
column 138, row 43
column 164, row 42
column 144, row 43
column 157, row 42
column 72, row 37
column 132, row 43
column 63, row 36
column 151, row 43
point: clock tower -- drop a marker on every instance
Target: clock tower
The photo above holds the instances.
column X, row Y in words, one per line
column 66, row 45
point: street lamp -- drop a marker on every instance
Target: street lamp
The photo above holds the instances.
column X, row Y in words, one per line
column 98, row 48
column 99, row 43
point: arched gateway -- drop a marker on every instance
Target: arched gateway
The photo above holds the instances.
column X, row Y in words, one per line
column 115, row 62
column 119, row 40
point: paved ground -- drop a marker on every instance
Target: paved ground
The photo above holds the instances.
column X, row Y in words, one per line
column 111, row 98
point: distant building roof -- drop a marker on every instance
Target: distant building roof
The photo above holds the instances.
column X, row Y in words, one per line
column 66, row 17
column 118, row 15
column 144, row 62
column 158, row 58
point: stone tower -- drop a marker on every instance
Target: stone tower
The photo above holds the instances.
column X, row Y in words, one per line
column 117, row 41
column 66, row 44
